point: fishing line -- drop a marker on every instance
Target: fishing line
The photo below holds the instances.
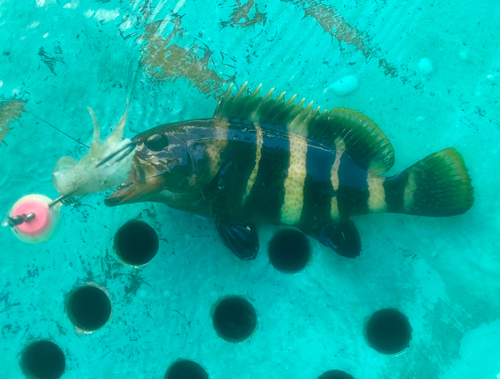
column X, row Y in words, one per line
column 59, row 130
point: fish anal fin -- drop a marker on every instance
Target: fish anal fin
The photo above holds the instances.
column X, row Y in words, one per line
column 342, row 236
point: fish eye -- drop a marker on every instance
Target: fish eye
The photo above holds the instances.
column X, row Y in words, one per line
column 156, row 142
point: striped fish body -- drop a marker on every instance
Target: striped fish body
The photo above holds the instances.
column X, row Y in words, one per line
column 266, row 174
column 265, row 160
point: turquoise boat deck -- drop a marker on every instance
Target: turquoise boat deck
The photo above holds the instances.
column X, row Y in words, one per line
column 427, row 73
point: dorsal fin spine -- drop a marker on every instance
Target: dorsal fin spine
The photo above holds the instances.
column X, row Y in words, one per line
column 251, row 102
column 298, row 109
column 256, row 92
column 228, row 93
column 278, row 118
column 256, row 115
column 242, row 91
column 275, row 107
column 224, row 103
column 301, row 121
column 281, row 97
column 297, row 114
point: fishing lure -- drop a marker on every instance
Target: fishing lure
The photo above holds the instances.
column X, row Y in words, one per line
column 260, row 159
column 36, row 218
column 105, row 166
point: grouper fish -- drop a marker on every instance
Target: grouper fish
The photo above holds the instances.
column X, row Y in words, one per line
column 261, row 159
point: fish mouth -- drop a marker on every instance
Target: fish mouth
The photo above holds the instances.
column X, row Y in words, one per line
column 136, row 188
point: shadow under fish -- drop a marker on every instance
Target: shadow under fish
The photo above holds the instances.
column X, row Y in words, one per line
column 260, row 159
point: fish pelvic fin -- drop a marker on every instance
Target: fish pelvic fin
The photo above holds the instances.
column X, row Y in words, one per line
column 438, row 185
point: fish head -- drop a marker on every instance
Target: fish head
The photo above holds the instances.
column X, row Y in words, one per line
column 164, row 167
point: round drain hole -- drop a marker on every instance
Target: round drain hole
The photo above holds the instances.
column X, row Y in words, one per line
column 43, row 360
column 89, row 308
column 289, row 251
column 234, row 318
column 136, row 243
column 335, row 374
column 388, row 331
column 185, row 369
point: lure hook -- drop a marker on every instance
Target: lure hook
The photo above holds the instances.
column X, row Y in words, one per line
column 124, row 151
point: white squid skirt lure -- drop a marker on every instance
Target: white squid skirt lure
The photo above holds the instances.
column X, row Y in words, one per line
column 36, row 218
column 90, row 174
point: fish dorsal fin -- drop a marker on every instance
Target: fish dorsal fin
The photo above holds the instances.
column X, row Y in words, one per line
column 360, row 138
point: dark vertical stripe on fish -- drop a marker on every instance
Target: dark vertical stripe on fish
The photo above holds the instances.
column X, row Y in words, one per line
column 318, row 189
column 267, row 195
column 352, row 194
column 237, row 161
column 395, row 190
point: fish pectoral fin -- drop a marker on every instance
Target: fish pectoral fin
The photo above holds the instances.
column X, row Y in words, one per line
column 240, row 238
column 343, row 237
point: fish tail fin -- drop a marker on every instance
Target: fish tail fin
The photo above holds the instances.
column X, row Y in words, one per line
column 438, row 185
